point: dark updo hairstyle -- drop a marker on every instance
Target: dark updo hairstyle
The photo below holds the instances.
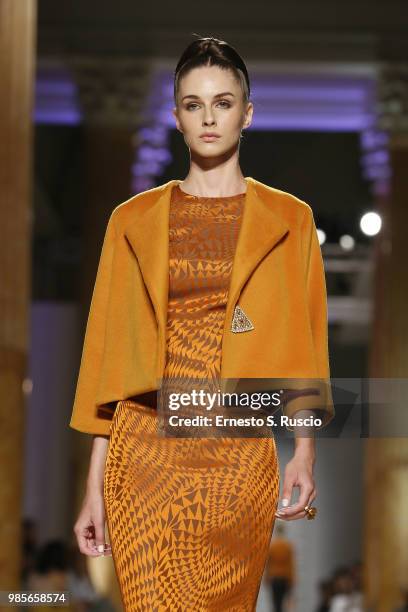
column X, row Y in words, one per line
column 209, row 51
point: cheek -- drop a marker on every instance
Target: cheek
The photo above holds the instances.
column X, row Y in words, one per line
column 186, row 121
column 234, row 122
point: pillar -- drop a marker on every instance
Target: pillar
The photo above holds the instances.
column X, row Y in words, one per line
column 17, row 53
column 386, row 459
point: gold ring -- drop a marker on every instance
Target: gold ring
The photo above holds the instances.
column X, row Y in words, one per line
column 310, row 512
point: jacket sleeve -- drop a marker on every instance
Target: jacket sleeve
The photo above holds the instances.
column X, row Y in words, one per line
column 86, row 416
column 320, row 400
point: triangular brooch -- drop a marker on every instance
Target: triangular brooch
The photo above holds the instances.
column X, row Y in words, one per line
column 240, row 321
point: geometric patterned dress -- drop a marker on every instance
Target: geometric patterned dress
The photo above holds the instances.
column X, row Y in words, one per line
column 190, row 518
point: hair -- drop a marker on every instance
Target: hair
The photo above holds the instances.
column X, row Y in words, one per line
column 209, row 51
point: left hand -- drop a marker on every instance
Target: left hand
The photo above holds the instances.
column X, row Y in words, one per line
column 298, row 473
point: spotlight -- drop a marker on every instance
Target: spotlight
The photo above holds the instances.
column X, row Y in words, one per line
column 27, row 386
column 370, row 223
column 347, row 242
column 321, row 236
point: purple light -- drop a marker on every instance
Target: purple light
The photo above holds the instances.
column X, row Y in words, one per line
column 67, row 117
column 302, row 102
column 56, row 97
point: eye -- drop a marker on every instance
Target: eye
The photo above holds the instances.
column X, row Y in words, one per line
column 194, row 104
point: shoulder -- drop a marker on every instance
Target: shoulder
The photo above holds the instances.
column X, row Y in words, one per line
column 124, row 213
column 286, row 204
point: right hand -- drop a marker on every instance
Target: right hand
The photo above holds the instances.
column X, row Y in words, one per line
column 90, row 526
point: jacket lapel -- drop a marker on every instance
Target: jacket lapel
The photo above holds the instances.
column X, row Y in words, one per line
column 261, row 229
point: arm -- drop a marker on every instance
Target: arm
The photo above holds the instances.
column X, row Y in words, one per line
column 85, row 417
column 90, row 525
column 321, row 402
column 316, row 292
column 97, row 464
column 299, row 471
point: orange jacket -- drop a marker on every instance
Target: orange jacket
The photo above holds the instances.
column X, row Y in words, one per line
column 277, row 278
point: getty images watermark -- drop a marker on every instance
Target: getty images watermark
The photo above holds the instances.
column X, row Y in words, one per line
column 211, row 401
column 283, row 407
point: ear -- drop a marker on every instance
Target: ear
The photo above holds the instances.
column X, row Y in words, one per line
column 248, row 115
column 174, row 111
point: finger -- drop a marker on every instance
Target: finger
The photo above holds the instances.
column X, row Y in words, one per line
column 85, row 539
column 300, row 514
column 312, row 497
column 305, row 492
column 286, row 493
column 86, row 546
column 100, row 543
column 104, row 549
column 295, row 517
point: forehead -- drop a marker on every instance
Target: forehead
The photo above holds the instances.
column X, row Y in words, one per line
column 208, row 79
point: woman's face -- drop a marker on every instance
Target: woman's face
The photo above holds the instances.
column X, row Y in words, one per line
column 210, row 99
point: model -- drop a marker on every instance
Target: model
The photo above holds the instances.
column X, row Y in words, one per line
column 216, row 277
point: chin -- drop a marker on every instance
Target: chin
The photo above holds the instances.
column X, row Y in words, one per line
column 210, row 151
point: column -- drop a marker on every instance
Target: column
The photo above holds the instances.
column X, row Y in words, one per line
column 17, row 59
column 386, row 459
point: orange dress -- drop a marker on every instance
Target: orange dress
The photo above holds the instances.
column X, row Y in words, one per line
column 190, row 518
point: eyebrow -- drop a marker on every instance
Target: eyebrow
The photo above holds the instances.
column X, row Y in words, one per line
column 220, row 95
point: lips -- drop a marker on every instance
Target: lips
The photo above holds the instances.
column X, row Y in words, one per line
column 209, row 137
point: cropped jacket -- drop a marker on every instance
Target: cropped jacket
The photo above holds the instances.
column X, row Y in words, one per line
column 277, row 279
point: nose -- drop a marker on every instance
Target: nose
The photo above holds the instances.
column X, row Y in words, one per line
column 208, row 118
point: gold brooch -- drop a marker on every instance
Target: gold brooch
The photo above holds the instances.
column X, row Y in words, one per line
column 240, row 321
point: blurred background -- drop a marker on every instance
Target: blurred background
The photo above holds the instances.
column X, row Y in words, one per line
column 85, row 123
